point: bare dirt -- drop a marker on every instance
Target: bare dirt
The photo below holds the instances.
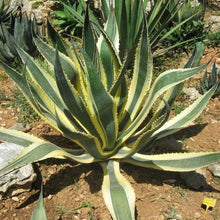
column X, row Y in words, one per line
column 73, row 191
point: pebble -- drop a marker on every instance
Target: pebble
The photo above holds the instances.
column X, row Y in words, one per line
column 191, row 92
column 170, row 181
column 194, row 179
column 197, row 215
column 14, row 198
column 23, row 198
column 161, row 217
column 3, row 124
column 77, row 199
column 215, row 169
column 50, row 197
column 21, row 127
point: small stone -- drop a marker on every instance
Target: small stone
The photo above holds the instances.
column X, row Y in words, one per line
column 77, row 199
column 215, row 169
column 14, row 198
column 192, row 139
column 197, row 215
column 23, row 197
column 39, row 16
column 170, row 181
column 161, row 217
column 3, row 124
column 195, row 179
column 19, row 180
column 50, row 197
column 20, row 127
column 214, row 23
column 192, row 92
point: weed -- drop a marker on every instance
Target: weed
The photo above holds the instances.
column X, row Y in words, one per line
column 3, row 97
column 62, row 211
column 162, row 63
column 199, row 120
column 26, row 114
column 172, row 214
column 214, row 39
column 90, row 215
column 3, row 76
column 182, row 191
column 213, row 149
column 75, row 183
column 178, row 107
column 216, row 216
column 4, row 105
column 86, row 204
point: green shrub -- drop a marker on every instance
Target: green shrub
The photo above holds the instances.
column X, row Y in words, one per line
column 213, row 39
column 192, row 30
column 68, row 25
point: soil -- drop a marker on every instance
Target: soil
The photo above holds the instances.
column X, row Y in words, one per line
column 73, row 191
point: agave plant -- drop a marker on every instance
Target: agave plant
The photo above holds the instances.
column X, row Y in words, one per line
column 20, row 33
column 209, row 80
column 111, row 121
column 6, row 13
column 129, row 17
column 67, row 23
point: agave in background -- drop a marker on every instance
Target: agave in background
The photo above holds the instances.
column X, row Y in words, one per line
column 209, row 80
column 84, row 94
column 129, row 17
column 18, row 32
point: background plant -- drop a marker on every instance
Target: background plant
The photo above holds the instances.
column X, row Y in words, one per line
column 209, row 80
column 67, row 23
column 192, row 30
column 129, row 17
column 213, row 39
column 16, row 29
column 87, row 99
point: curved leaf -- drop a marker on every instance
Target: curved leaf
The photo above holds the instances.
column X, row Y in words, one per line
column 17, row 137
column 117, row 192
column 141, row 79
column 101, row 105
column 165, row 81
column 186, row 116
column 40, row 151
column 177, row 162
column 39, row 211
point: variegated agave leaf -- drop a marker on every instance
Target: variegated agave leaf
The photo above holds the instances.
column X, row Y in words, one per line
column 87, row 99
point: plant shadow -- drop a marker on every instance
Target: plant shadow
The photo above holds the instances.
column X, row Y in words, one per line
column 71, row 173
